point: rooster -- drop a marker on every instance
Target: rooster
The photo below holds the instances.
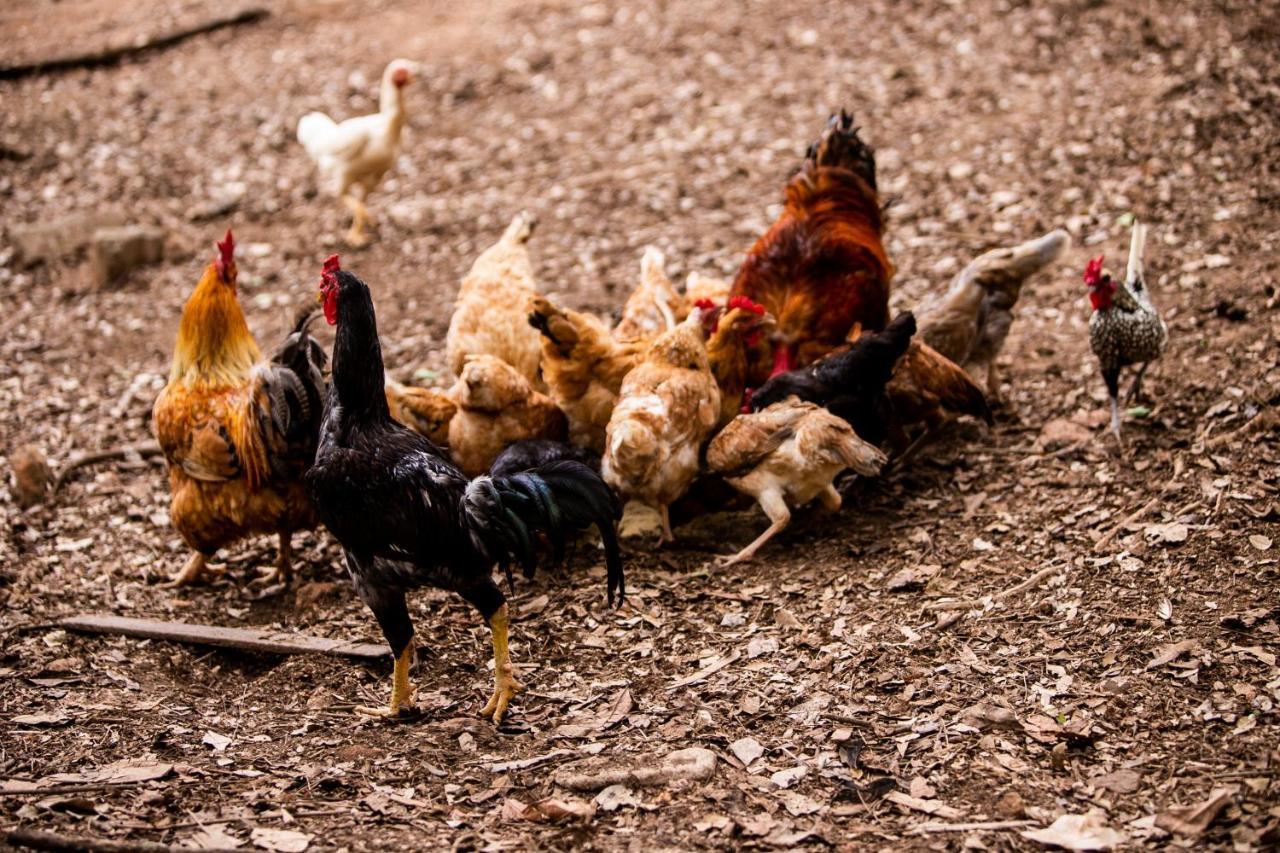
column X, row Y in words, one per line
column 353, row 155
column 407, row 517
column 1125, row 329
column 237, row 432
column 821, row 268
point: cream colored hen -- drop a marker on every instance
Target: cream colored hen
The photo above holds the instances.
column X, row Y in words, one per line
column 667, row 407
column 786, row 456
column 497, row 406
column 655, row 306
column 489, row 317
column 353, row 155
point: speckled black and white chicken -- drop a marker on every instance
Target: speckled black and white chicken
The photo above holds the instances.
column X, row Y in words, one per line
column 1125, row 329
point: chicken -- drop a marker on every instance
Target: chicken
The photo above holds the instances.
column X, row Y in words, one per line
column 699, row 288
column 353, row 155
column 785, row 456
column 1125, row 329
column 536, row 452
column 426, row 411
column 821, row 268
column 654, row 306
column 237, row 432
column 583, row 367
column 969, row 323
column 667, row 407
column 488, row 317
column 496, row 406
column 850, row 384
column 929, row 389
column 407, row 517
column 731, row 335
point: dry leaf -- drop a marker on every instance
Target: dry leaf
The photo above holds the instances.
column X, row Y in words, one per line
column 126, row 771
column 1173, row 533
column 615, row 797
column 1195, row 820
column 932, row 807
column 57, row 718
column 1120, row 781
column 710, row 669
column 1078, row 832
column 217, row 741
column 1262, row 543
column 787, row 778
column 1171, row 652
column 798, row 805
column 746, row 750
column 213, row 837
column 279, row 840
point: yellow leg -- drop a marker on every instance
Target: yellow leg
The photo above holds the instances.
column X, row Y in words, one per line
column 359, row 215
column 195, row 569
column 401, row 690
column 775, row 507
column 667, row 535
column 505, row 685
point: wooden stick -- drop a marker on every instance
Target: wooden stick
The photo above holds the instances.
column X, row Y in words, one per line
column 1128, row 519
column 38, row 840
column 115, row 53
column 271, row 642
column 974, row 826
column 144, row 450
column 971, row 603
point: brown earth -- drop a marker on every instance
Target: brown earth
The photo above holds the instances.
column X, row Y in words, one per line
column 1131, row 678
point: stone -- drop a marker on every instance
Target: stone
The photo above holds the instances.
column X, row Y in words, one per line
column 31, row 475
column 48, row 241
column 115, row 252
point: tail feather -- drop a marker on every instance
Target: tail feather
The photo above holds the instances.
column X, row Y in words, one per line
column 1135, row 276
column 954, row 388
column 313, row 130
column 841, row 147
column 504, row 513
column 520, row 229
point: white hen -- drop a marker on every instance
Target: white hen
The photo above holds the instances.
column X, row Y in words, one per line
column 353, row 155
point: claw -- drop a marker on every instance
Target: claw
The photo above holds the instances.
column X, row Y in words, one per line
column 195, row 569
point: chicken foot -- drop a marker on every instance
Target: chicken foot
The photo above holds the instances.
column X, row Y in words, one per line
column 197, row 567
column 282, row 574
column 775, row 507
column 401, row 690
column 505, row 683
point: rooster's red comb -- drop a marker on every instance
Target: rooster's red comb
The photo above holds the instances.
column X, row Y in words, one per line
column 331, row 266
column 226, row 255
column 705, row 304
column 746, row 304
column 1093, row 271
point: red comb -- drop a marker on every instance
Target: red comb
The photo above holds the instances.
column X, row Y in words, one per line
column 331, row 266
column 746, row 304
column 705, row 304
column 1093, row 271
column 226, row 255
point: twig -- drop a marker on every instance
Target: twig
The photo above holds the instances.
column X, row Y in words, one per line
column 144, row 450
column 38, row 840
column 65, row 789
column 970, row 827
column 969, row 604
column 1128, row 519
column 115, row 53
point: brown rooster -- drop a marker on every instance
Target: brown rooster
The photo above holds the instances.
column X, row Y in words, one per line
column 821, row 268
column 237, row 432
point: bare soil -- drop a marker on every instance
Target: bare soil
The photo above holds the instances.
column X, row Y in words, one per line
column 1132, row 678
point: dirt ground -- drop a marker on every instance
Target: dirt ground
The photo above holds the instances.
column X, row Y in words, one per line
column 846, row 702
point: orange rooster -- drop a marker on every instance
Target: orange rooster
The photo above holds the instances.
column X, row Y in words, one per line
column 821, row 268
column 237, row 431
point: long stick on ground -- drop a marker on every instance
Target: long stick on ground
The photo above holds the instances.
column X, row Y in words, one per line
column 246, row 639
column 37, row 840
column 969, row 604
column 144, row 450
column 115, row 53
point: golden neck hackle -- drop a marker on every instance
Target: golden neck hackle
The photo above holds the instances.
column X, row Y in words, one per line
column 214, row 346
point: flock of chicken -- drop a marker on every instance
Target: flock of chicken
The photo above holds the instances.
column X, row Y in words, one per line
column 774, row 383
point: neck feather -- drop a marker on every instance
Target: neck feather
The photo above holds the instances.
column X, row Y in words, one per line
column 214, row 345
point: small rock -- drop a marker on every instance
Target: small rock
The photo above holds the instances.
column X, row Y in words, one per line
column 115, row 252
column 960, row 171
column 746, row 750
column 1262, row 543
column 1061, row 432
column 1010, row 806
column 31, row 475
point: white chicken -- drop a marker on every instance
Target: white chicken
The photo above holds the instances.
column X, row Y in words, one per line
column 353, row 155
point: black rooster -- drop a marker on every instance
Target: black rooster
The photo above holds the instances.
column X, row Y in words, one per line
column 850, row 384
column 408, row 518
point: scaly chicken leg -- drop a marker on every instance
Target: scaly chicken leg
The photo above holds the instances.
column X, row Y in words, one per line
column 505, row 684
column 197, row 567
column 360, row 215
column 282, row 573
column 775, row 507
column 401, row 690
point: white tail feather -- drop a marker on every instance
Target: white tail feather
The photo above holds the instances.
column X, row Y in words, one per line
column 1134, row 274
